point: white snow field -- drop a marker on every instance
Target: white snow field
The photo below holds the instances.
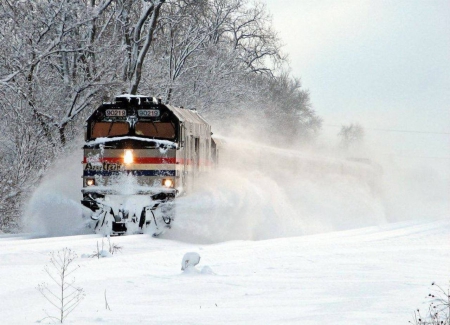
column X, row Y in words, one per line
column 276, row 247
column 373, row 275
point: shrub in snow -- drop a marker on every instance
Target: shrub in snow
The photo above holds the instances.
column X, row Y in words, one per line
column 113, row 248
column 438, row 312
column 65, row 297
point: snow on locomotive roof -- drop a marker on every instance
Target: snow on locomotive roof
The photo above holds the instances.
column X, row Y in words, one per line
column 139, row 97
column 104, row 140
column 132, row 96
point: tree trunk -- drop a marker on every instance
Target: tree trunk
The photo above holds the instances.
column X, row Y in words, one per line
column 62, row 134
column 140, row 60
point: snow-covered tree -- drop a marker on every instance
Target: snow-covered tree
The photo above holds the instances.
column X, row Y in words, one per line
column 351, row 135
column 60, row 58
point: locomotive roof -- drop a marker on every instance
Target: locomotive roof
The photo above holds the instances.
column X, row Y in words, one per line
column 187, row 115
column 183, row 114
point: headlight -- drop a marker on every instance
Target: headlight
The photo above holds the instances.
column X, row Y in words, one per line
column 90, row 181
column 128, row 157
column 167, row 182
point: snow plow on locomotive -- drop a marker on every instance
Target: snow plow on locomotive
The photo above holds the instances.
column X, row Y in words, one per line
column 139, row 155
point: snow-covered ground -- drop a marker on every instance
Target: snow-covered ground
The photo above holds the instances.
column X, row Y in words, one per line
column 276, row 247
column 374, row 275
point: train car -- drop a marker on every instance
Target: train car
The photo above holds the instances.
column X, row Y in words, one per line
column 139, row 155
column 279, row 163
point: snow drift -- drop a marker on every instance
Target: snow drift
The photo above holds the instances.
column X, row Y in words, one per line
column 255, row 196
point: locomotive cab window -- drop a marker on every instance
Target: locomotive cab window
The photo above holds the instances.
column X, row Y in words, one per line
column 109, row 129
column 155, row 129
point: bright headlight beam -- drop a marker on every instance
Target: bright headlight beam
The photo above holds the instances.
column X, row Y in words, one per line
column 168, row 183
column 128, row 157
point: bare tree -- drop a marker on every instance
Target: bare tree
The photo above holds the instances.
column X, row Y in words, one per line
column 53, row 60
column 287, row 108
column 185, row 35
column 204, row 46
column 22, row 161
column 137, row 36
column 254, row 38
column 351, row 135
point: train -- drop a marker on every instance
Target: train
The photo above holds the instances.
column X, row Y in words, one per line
column 139, row 155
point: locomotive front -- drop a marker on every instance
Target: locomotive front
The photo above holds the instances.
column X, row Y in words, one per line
column 130, row 175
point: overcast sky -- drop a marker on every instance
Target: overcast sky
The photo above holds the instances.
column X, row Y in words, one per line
column 382, row 63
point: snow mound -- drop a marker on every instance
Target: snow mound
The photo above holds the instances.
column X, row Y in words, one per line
column 105, row 253
column 190, row 260
column 207, row 270
column 188, row 263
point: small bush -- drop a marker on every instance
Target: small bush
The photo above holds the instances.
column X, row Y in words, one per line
column 438, row 312
column 113, row 248
column 65, row 297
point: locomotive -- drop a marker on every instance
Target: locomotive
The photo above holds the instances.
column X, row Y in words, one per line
column 139, row 155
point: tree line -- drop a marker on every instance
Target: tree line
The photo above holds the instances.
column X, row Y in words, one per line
column 59, row 59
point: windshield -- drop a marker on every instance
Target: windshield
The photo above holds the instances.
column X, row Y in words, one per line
column 109, row 129
column 162, row 130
